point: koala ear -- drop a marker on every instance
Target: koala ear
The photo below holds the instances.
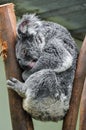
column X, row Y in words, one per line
column 28, row 17
column 32, row 15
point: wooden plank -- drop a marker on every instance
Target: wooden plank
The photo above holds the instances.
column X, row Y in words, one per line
column 82, row 125
column 20, row 120
column 71, row 116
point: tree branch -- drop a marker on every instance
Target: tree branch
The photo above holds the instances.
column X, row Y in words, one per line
column 71, row 117
column 20, row 120
column 83, row 109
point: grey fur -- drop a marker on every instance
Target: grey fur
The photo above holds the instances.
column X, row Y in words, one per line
column 47, row 53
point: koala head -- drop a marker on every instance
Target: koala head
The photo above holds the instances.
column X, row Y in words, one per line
column 27, row 52
column 30, row 41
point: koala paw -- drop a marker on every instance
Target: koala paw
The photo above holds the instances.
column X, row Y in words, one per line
column 17, row 86
column 13, row 83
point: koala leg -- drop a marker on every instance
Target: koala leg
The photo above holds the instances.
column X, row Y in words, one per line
column 17, row 86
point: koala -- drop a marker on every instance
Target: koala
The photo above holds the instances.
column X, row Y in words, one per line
column 47, row 54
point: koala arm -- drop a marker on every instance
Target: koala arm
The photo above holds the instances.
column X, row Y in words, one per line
column 59, row 58
column 55, row 56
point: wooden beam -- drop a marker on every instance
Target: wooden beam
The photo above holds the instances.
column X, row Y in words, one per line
column 71, row 116
column 82, row 125
column 20, row 119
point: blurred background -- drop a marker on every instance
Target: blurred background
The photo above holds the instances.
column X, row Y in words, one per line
column 72, row 15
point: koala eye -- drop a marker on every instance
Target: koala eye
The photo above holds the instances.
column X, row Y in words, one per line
column 24, row 52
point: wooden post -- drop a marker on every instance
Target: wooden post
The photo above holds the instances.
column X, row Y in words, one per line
column 83, row 109
column 71, row 117
column 20, row 119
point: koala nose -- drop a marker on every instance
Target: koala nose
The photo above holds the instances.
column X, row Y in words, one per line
column 19, row 60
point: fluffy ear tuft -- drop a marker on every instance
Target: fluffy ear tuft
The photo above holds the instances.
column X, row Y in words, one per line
column 25, row 16
column 30, row 17
column 31, row 21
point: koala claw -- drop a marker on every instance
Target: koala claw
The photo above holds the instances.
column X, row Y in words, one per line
column 16, row 85
column 11, row 81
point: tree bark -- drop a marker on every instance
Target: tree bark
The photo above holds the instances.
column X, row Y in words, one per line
column 71, row 117
column 83, row 109
column 20, row 120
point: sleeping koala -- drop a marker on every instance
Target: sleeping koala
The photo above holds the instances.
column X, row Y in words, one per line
column 48, row 54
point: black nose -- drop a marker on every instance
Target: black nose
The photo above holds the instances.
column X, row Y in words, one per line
column 19, row 61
